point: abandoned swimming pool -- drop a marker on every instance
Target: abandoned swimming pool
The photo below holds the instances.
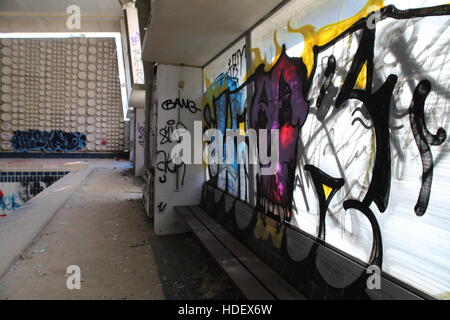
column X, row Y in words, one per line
column 16, row 188
column 21, row 181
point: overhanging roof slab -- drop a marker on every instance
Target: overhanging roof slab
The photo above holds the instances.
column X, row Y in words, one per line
column 192, row 32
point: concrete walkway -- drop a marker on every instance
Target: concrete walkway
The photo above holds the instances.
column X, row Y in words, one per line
column 103, row 229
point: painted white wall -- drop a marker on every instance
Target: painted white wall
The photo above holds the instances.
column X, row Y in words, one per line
column 168, row 77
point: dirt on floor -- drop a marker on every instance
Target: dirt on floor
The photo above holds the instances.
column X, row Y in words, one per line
column 104, row 231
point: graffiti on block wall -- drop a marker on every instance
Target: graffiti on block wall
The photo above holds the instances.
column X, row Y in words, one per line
column 224, row 108
column 356, row 111
column 48, row 141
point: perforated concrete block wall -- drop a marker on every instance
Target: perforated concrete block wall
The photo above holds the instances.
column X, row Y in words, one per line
column 60, row 95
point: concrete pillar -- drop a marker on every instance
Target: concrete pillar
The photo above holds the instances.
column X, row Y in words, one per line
column 137, row 96
column 132, row 137
column 137, row 68
column 179, row 93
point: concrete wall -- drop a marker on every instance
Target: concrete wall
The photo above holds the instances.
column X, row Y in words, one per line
column 175, row 185
column 69, row 87
column 126, row 142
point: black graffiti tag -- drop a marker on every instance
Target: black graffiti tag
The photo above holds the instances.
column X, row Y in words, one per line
column 235, row 63
column 188, row 104
column 167, row 131
column 166, row 165
column 162, row 206
column 424, row 139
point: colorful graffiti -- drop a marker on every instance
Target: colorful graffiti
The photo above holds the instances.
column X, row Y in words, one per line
column 278, row 103
column 8, row 203
column 48, row 141
column 347, row 126
column 227, row 111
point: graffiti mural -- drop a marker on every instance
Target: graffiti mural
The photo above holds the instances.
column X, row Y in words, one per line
column 279, row 103
column 48, row 141
column 227, row 112
column 224, row 108
column 362, row 108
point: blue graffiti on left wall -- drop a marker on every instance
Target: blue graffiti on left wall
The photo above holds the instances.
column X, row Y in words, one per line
column 8, row 203
column 48, row 141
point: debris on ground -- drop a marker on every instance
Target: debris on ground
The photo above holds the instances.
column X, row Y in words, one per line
column 24, row 256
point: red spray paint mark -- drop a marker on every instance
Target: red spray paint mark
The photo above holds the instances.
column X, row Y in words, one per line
column 287, row 135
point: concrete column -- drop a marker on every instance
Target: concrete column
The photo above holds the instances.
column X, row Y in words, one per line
column 137, row 68
column 137, row 96
column 132, row 137
column 179, row 93
column 126, row 56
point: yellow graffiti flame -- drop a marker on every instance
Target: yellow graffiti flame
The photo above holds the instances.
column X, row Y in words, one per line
column 258, row 60
column 262, row 231
column 312, row 37
column 329, row 32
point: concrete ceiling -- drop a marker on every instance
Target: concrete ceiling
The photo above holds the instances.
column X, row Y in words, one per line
column 88, row 7
column 192, row 32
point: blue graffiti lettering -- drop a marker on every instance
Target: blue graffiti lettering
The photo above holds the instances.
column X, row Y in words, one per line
column 48, row 141
column 8, row 203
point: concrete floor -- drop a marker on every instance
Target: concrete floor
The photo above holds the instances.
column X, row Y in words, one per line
column 103, row 229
